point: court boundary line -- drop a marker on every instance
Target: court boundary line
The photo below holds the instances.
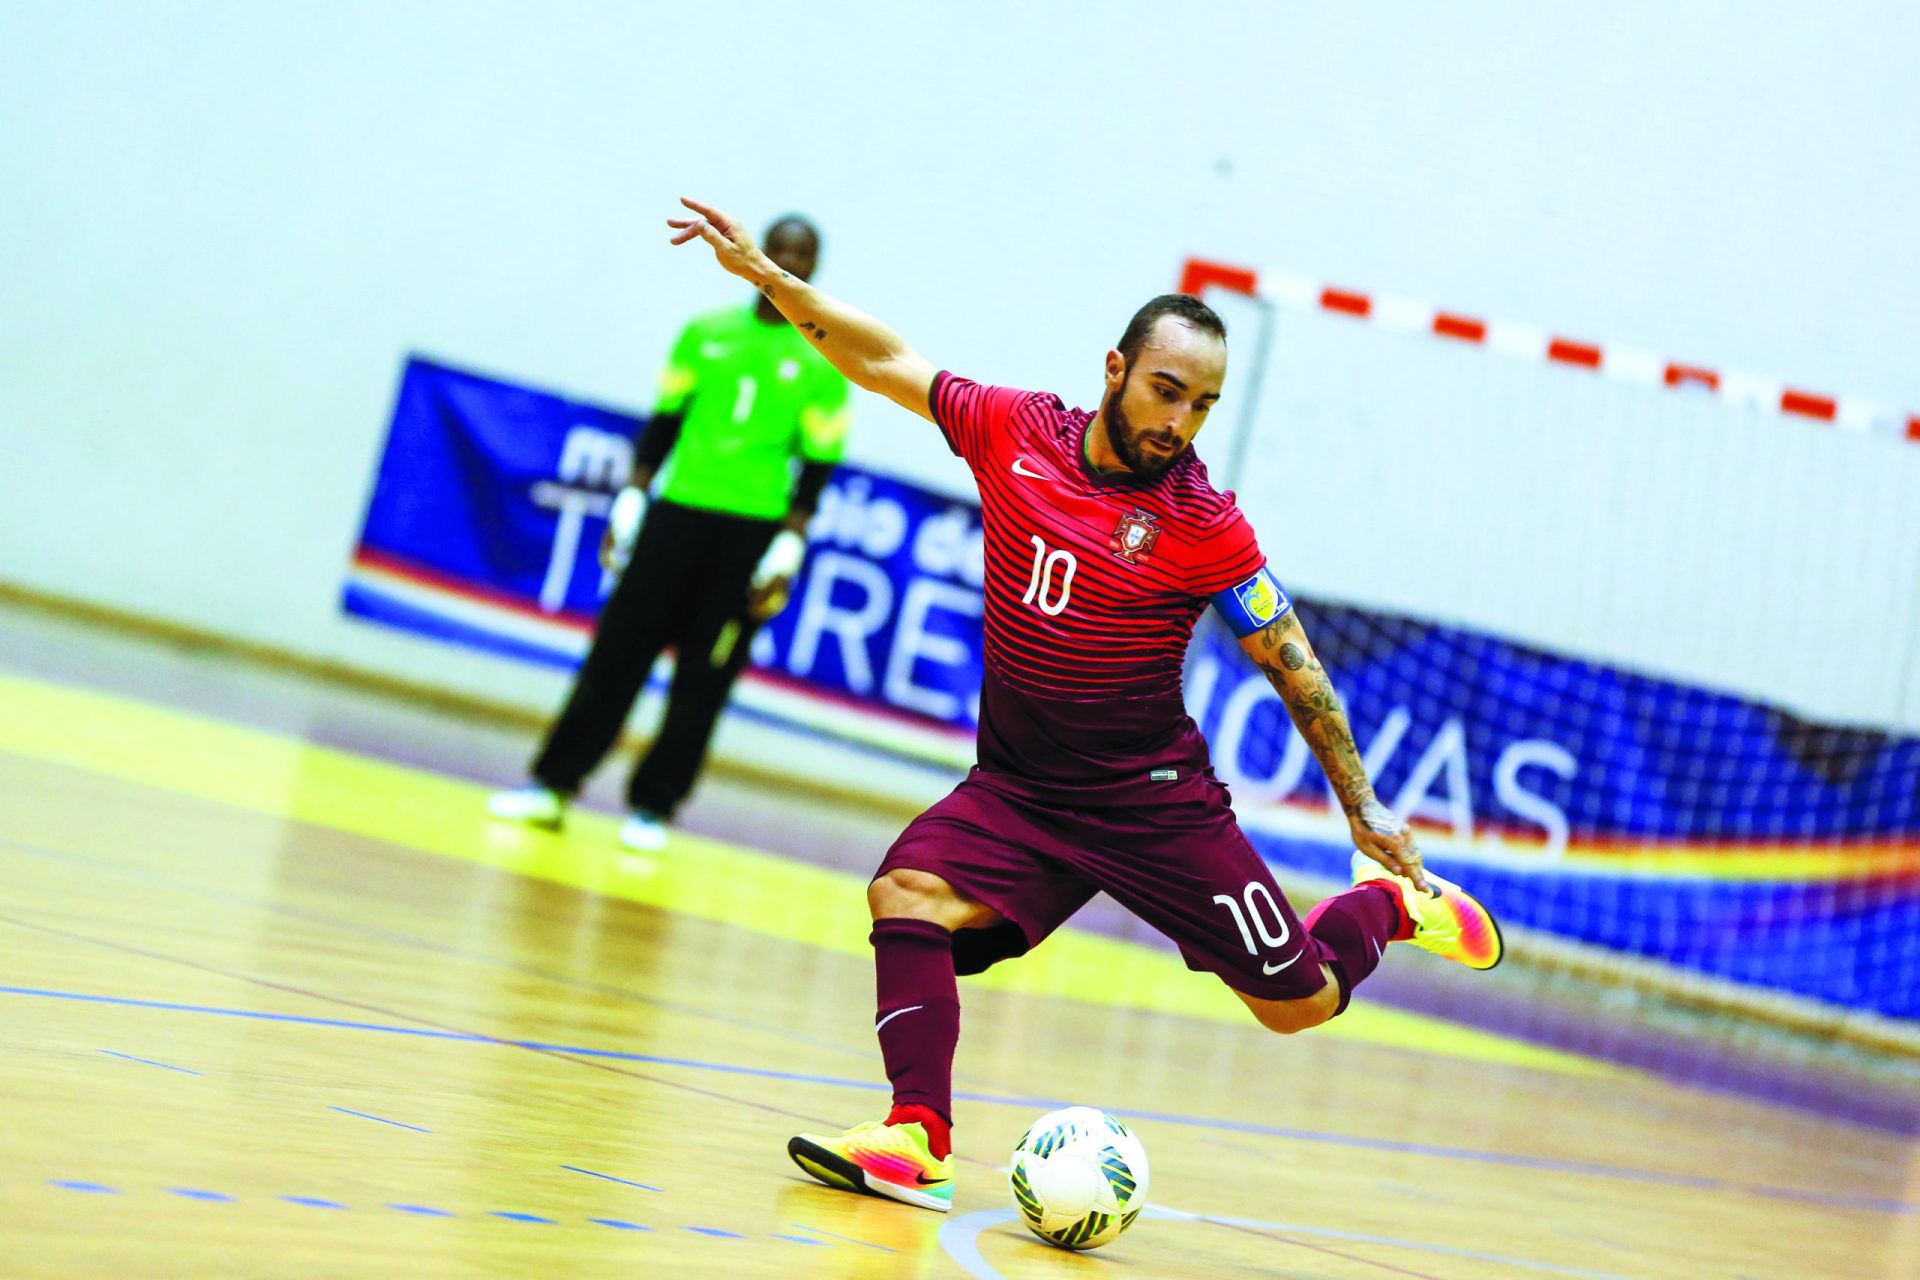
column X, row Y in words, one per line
column 1543, row 1164
column 110, row 866
column 398, row 1124
column 960, row 1240
column 252, row 1200
column 114, row 1053
column 401, row 938
column 1416, row 1034
column 398, row 937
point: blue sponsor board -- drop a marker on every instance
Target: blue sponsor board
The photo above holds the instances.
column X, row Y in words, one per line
column 491, row 499
column 1612, row 808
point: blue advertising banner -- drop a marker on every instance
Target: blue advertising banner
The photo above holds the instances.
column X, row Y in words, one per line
column 486, row 517
column 1614, row 809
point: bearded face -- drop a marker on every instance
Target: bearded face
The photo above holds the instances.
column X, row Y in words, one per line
column 1148, row 452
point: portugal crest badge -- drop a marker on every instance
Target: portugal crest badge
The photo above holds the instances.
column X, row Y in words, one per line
column 1134, row 536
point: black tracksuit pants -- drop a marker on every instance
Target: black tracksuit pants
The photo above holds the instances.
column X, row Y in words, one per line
column 685, row 585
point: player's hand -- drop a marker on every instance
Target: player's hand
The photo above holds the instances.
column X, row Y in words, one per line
column 623, row 526
column 1387, row 840
column 731, row 245
column 773, row 577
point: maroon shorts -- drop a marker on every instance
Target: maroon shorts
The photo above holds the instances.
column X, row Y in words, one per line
column 1184, row 868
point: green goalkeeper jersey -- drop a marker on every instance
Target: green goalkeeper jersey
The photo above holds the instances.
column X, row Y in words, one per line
column 756, row 398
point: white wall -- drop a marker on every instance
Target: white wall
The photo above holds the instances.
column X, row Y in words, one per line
column 223, row 225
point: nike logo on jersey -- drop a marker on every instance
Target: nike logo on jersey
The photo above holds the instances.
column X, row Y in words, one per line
column 1271, row 969
column 1022, row 471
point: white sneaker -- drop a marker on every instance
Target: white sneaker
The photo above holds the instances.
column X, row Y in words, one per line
column 643, row 831
column 533, row 804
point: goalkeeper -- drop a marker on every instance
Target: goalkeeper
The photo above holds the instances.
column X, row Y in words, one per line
column 743, row 400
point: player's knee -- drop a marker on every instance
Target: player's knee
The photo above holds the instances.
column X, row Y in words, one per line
column 912, row 895
column 1289, row 1017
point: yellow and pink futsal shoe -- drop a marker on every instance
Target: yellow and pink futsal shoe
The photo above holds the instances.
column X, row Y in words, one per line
column 881, row 1159
column 1446, row 921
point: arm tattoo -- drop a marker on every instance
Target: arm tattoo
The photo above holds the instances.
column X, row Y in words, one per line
column 819, row 334
column 1304, row 687
column 767, row 288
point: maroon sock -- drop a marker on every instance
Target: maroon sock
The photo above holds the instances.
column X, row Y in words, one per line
column 919, row 1014
column 1356, row 927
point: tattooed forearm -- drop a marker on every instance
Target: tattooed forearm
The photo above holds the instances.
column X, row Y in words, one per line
column 1322, row 721
column 808, row 327
column 1304, row 687
column 766, row 286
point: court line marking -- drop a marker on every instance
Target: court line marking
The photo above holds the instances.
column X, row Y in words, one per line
column 1257, row 1233
column 149, row 1062
column 960, row 1238
column 849, row 1239
column 1361, row 1237
column 326, row 998
column 1511, row 1160
column 401, row 938
column 421, row 812
column 313, row 1202
column 112, row 868
column 395, row 1123
column 428, row 1211
column 574, row 1168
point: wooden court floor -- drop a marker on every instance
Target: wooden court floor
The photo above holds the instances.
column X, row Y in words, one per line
column 272, row 1008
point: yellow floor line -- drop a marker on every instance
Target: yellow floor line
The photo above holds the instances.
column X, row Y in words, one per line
column 267, row 773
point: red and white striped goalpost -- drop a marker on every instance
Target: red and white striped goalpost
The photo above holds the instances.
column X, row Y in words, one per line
column 1531, row 342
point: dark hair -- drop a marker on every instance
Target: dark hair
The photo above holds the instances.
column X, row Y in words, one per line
column 797, row 222
column 1183, row 306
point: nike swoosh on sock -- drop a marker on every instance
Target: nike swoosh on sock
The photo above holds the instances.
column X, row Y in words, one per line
column 896, row 1013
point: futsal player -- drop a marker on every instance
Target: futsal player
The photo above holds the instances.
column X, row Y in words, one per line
column 1104, row 543
column 744, row 403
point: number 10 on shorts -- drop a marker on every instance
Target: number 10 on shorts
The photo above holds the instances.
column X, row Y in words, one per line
column 1254, row 894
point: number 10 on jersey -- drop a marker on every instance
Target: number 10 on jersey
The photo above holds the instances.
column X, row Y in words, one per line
column 1041, row 585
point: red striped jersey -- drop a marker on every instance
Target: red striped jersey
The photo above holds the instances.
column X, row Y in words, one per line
column 1093, row 586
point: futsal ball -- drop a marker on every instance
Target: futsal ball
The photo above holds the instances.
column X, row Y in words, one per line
column 1079, row 1178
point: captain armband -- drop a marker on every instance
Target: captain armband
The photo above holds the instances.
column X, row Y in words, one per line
column 1251, row 605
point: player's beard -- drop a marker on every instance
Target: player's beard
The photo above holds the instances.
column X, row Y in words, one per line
column 1130, row 442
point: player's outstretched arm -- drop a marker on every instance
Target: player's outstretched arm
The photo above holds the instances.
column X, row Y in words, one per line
column 867, row 352
column 1281, row 651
